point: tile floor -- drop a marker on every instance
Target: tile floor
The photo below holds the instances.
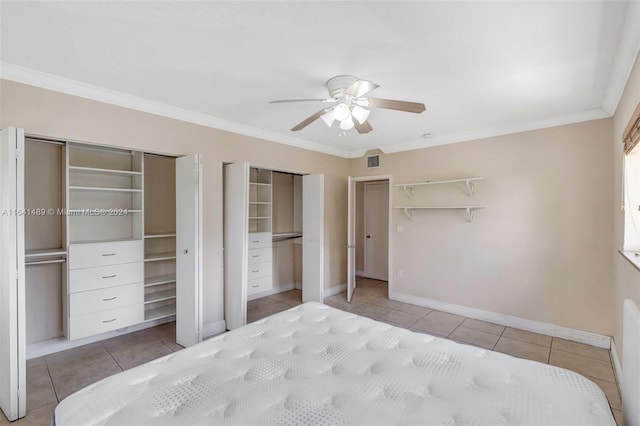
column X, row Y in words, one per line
column 53, row 377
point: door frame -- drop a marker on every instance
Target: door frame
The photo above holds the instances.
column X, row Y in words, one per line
column 351, row 219
column 364, row 224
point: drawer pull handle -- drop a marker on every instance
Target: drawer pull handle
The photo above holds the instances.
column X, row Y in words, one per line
column 111, row 298
column 109, row 276
column 256, row 286
column 257, row 270
column 111, row 320
column 256, row 255
column 109, row 254
column 255, row 241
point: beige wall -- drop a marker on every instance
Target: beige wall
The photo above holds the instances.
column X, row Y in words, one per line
column 627, row 278
column 541, row 250
column 52, row 114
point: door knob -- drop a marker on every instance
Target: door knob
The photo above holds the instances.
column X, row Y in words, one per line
column 185, row 251
column 368, row 236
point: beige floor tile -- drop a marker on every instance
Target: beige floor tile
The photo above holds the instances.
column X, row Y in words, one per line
column 522, row 349
column 340, row 297
column 39, row 387
column 440, row 323
column 474, row 337
column 174, row 346
column 365, row 294
column 583, row 365
column 275, row 307
column 617, row 414
column 370, row 311
column 527, row 336
column 3, row 419
column 256, row 315
column 38, row 417
column 143, row 336
column 610, row 389
column 413, row 309
column 140, row 353
column 487, row 327
column 417, row 330
column 581, row 349
column 385, row 303
column 399, row 318
column 342, row 305
column 368, row 283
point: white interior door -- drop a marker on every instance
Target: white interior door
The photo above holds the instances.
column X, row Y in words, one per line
column 189, row 250
column 13, row 366
column 236, row 234
column 313, row 238
column 376, row 230
column 351, row 238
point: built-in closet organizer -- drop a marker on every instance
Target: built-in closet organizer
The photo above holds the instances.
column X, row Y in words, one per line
column 45, row 239
column 159, row 237
column 105, row 226
column 259, row 246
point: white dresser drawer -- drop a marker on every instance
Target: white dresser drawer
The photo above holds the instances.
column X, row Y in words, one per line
column 100, row 254
column 259, row 240
column 259, row 270
column 259, row 285
column 87, row 302
column 105, row 276
column 259, row 255
column 101, row 322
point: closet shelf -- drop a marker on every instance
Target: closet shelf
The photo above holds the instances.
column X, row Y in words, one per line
column 159, row 296
column 103, row 241
column 45, row 253
column 167, row 235
column 260, row 202
column 159, row 279
column 285, row 236
column 259, row 184
column 410, row 187
column 115, row 210
column 259, row 217
column 104, row 189
column 161, row 312
column 100, row 171
column 408, row 210
column 159, row 256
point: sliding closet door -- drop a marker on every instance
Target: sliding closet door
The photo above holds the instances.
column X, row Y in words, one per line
column 12, row 289
column 312, row 238
column 189, row 250
column 236, row 224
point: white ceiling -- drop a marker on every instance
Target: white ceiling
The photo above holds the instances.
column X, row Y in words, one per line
column 481, row 68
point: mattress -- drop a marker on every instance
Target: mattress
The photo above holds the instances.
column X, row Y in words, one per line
column 314, row 365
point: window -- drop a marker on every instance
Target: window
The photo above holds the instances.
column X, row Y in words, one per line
column 631, row 140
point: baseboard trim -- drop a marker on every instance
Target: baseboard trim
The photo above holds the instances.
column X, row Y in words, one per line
column 213, row 328
column 332, row 291
column 360, row 273
column 35, row 350
column 579, row 336
column 617, row 366
column 274, row 290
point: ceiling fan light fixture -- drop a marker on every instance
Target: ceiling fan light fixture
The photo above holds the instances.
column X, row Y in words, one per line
column 341, row 112
column 328, row 118
column 347, row 124
column 360, row 113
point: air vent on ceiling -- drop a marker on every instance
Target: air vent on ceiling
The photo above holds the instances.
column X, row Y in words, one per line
column 373, row 161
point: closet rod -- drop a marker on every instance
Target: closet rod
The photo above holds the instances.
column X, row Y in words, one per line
column 40, row 140
column 44, row 262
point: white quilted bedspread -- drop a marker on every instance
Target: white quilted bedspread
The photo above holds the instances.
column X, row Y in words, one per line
column 314, row 365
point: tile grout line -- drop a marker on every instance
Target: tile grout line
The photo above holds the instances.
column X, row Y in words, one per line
column 55, row 392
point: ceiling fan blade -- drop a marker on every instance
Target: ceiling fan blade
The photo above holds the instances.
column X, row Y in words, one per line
column 282, row 101
column 309, row 120
column 362, row 128
column 360, row 88
column 414, row 107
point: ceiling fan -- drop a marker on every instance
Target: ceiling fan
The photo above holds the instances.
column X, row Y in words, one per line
column 350, row 107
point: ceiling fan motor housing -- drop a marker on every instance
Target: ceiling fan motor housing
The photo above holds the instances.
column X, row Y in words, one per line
column 339, row 84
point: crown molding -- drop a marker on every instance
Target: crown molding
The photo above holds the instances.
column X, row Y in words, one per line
column 626, row 55
column 588, row 115
column 17, row 73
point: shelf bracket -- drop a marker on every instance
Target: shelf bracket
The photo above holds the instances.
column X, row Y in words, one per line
column 470, row 187
column 409, row 212
column 409, row 191
column 470, row 214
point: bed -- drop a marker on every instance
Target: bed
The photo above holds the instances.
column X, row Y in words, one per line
column 314, row 364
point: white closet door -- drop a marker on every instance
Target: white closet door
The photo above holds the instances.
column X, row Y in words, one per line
column 312, row 238
column 12, row 280
column 236, row 234
column 189, row 250
column 351, row 238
